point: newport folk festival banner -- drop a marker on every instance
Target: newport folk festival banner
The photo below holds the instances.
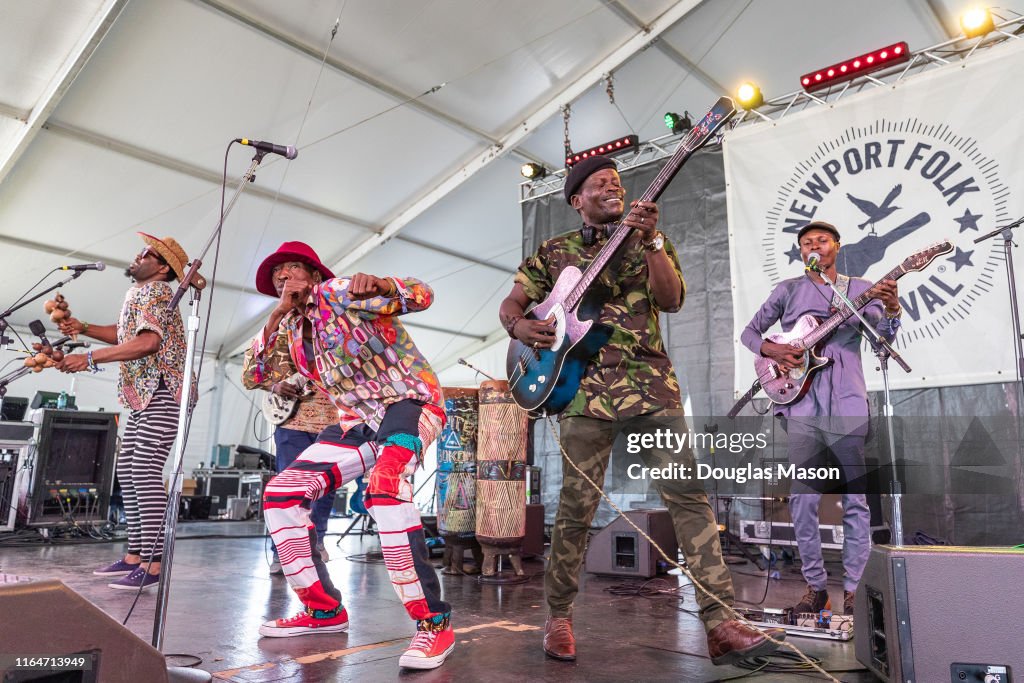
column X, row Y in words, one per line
column 937, row 156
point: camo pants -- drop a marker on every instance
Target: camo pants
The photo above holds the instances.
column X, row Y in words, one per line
column 588, row 442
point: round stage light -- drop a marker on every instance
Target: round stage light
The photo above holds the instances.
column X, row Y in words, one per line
column 750, row 96
column 976, row 21
column 532, row 171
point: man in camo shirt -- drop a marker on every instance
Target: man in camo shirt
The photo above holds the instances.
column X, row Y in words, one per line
column 628, row 387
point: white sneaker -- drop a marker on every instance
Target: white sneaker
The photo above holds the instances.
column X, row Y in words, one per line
column 275, row 568
column 323, row 552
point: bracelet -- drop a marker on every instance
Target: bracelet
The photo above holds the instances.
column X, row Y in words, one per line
column 510, row 327
column 85, row 328
column 890, row 316
column 392, row 288
column 91, row 364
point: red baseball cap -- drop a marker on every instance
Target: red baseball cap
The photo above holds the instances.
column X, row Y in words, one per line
column 289, row 251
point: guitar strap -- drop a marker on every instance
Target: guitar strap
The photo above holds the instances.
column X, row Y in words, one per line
column 843, row 286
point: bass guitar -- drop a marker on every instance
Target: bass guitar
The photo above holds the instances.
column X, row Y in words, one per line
column 544, row 381
column 810, row 334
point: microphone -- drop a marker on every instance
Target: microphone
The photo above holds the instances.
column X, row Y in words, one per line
column 812, row 262
column 39, row 330
column 288, row 152
column 99, row 265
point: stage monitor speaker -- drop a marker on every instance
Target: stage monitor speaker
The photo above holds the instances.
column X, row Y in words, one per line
column 47, row 617
column 74, row 471
column 619, row 550
column 940, row 613
column 533, row 541
column 13, row 408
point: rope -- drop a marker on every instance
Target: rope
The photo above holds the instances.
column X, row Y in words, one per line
column 686, row 572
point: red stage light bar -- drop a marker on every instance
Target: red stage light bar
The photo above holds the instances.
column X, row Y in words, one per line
column 857, row 66
column 629, row 143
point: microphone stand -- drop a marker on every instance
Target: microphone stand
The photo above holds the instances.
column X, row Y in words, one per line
column 3, row 316
column 883, row 351
column 1018, row 349
column 185, row 410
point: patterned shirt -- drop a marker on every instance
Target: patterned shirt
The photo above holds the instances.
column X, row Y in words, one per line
column 362, row 355
column 631, row 375
column 145, row 308
column 315, row 410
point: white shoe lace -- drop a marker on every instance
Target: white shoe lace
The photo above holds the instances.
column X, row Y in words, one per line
column 297, row 617
column 423, row 640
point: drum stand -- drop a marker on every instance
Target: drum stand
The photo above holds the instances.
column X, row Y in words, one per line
column 503, row 577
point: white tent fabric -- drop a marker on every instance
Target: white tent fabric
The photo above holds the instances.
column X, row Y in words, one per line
column 411, row 124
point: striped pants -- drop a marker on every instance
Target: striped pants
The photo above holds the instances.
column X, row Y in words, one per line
column 391, row 455
column 147, row 442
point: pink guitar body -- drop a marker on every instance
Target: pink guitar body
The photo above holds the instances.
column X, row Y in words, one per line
column 789, row 387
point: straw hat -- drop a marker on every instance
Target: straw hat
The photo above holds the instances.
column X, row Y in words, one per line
column 176, row 258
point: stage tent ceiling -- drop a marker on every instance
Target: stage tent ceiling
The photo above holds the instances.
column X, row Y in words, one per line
column 411, row 124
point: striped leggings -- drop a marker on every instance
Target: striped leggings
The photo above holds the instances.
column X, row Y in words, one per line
column 147, row 442
column 391, row 454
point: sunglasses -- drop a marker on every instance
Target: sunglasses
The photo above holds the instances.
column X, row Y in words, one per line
column 149, row 253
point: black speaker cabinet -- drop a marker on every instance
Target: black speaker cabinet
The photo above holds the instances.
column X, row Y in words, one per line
column 619, row 550
column 533, row 541
column 47, row 617
column 941, row 613
column 74, row 471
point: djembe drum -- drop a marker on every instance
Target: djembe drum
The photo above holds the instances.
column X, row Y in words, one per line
column 456, row 478
column 501, row 476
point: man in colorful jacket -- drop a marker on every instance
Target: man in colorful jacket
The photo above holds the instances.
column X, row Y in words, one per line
column 345, row 337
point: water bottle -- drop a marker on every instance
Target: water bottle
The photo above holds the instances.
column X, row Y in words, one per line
column 62, row 400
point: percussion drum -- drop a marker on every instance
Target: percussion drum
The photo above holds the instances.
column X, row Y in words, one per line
column 501, row 476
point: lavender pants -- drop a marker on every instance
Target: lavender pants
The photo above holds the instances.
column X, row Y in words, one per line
column 813, row 447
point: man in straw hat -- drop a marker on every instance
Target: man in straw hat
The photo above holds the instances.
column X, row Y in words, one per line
column 148, row 343
column 628, row 387
column 344, row 336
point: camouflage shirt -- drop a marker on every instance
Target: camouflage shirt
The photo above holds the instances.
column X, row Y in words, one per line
column 631, row 375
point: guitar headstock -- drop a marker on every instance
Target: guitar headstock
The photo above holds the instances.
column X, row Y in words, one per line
column 921, row 259
column 717, row 116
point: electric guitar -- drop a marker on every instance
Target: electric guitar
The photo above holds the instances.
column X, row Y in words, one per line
column 544, row 381
column 276, row 408
column 810, row 334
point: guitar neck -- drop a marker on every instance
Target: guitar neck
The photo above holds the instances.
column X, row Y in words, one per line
column 694, row 141
column 839, row 317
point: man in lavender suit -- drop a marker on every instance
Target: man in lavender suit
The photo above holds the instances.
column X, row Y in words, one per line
column 833, row 416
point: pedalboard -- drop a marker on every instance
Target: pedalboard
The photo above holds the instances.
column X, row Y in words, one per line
column 824, row 626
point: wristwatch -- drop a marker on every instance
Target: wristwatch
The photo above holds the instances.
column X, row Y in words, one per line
column 656, row 244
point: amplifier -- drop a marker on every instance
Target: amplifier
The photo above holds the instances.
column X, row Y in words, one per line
column 74, row 471
column 620, row 550
column 940, row 613
column 15, row 449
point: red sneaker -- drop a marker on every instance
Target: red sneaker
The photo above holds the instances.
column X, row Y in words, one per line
column 428, row 649
column 305, row 622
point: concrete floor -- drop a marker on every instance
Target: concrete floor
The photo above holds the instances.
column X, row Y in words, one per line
column 220, row 593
